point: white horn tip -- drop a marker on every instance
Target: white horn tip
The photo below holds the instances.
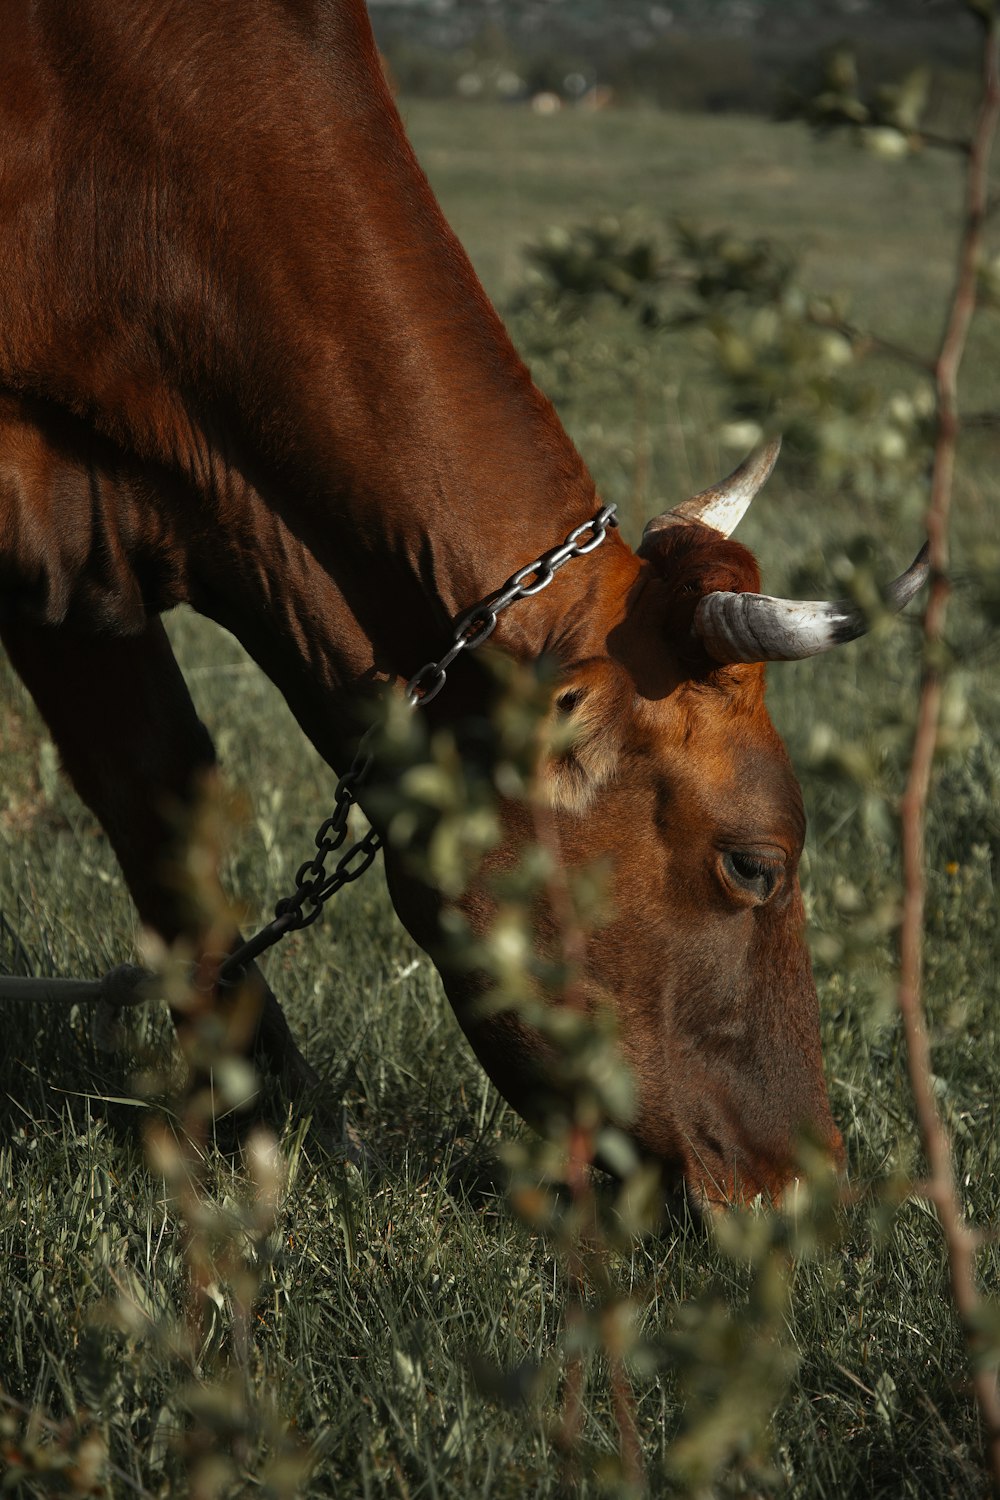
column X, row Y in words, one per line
column 724, row 505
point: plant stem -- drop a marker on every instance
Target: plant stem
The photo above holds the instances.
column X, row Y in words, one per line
column 960, row 1241
column 867, row 342
column 586, row 1252
column 946, row 142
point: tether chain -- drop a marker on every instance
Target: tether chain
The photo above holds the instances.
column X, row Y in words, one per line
column 314, row 884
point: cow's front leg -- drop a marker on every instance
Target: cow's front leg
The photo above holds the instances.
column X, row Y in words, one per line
column 122, row 719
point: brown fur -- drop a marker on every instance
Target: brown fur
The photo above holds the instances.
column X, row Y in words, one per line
column 245, row 364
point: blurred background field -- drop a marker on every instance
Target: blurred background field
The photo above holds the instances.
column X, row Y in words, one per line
column 707, row 56
column 378, row 1289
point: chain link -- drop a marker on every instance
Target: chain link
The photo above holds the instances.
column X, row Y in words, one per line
column 313, row 884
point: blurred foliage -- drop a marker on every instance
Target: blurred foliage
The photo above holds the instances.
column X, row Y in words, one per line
column 175, row 1352
column 732, row 1361
column 888, row 120
column 573, row 265
column 790, row 360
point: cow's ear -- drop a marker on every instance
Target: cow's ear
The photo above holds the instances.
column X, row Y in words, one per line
column 585, row 739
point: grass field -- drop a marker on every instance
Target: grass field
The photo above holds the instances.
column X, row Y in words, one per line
column 377, row 1290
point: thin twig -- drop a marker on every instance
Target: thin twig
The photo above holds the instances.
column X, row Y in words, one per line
column 572, row 938
column 869, row 343
column 626, row 1418
column 940, row 142
column 941, row 1187
column 586, row 1253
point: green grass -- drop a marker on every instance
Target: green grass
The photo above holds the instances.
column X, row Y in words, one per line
column 377, row 1291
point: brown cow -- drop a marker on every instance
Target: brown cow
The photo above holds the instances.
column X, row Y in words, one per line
column 245, row 364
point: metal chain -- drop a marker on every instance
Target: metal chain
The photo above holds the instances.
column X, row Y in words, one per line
column 314, row 885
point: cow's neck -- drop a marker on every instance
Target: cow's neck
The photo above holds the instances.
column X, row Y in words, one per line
column 324, row 613
column 304, row 341
column 406, row 448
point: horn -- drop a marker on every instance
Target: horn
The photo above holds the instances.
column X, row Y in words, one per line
column 754, row 627
column 724, row 505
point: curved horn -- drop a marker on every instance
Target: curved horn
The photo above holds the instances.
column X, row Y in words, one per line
column 754, row 627
column 724, row 505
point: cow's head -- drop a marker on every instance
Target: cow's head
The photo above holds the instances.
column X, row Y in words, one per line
column 674, row 769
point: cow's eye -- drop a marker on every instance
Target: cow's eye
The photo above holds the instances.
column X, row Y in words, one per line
column 752, row 875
